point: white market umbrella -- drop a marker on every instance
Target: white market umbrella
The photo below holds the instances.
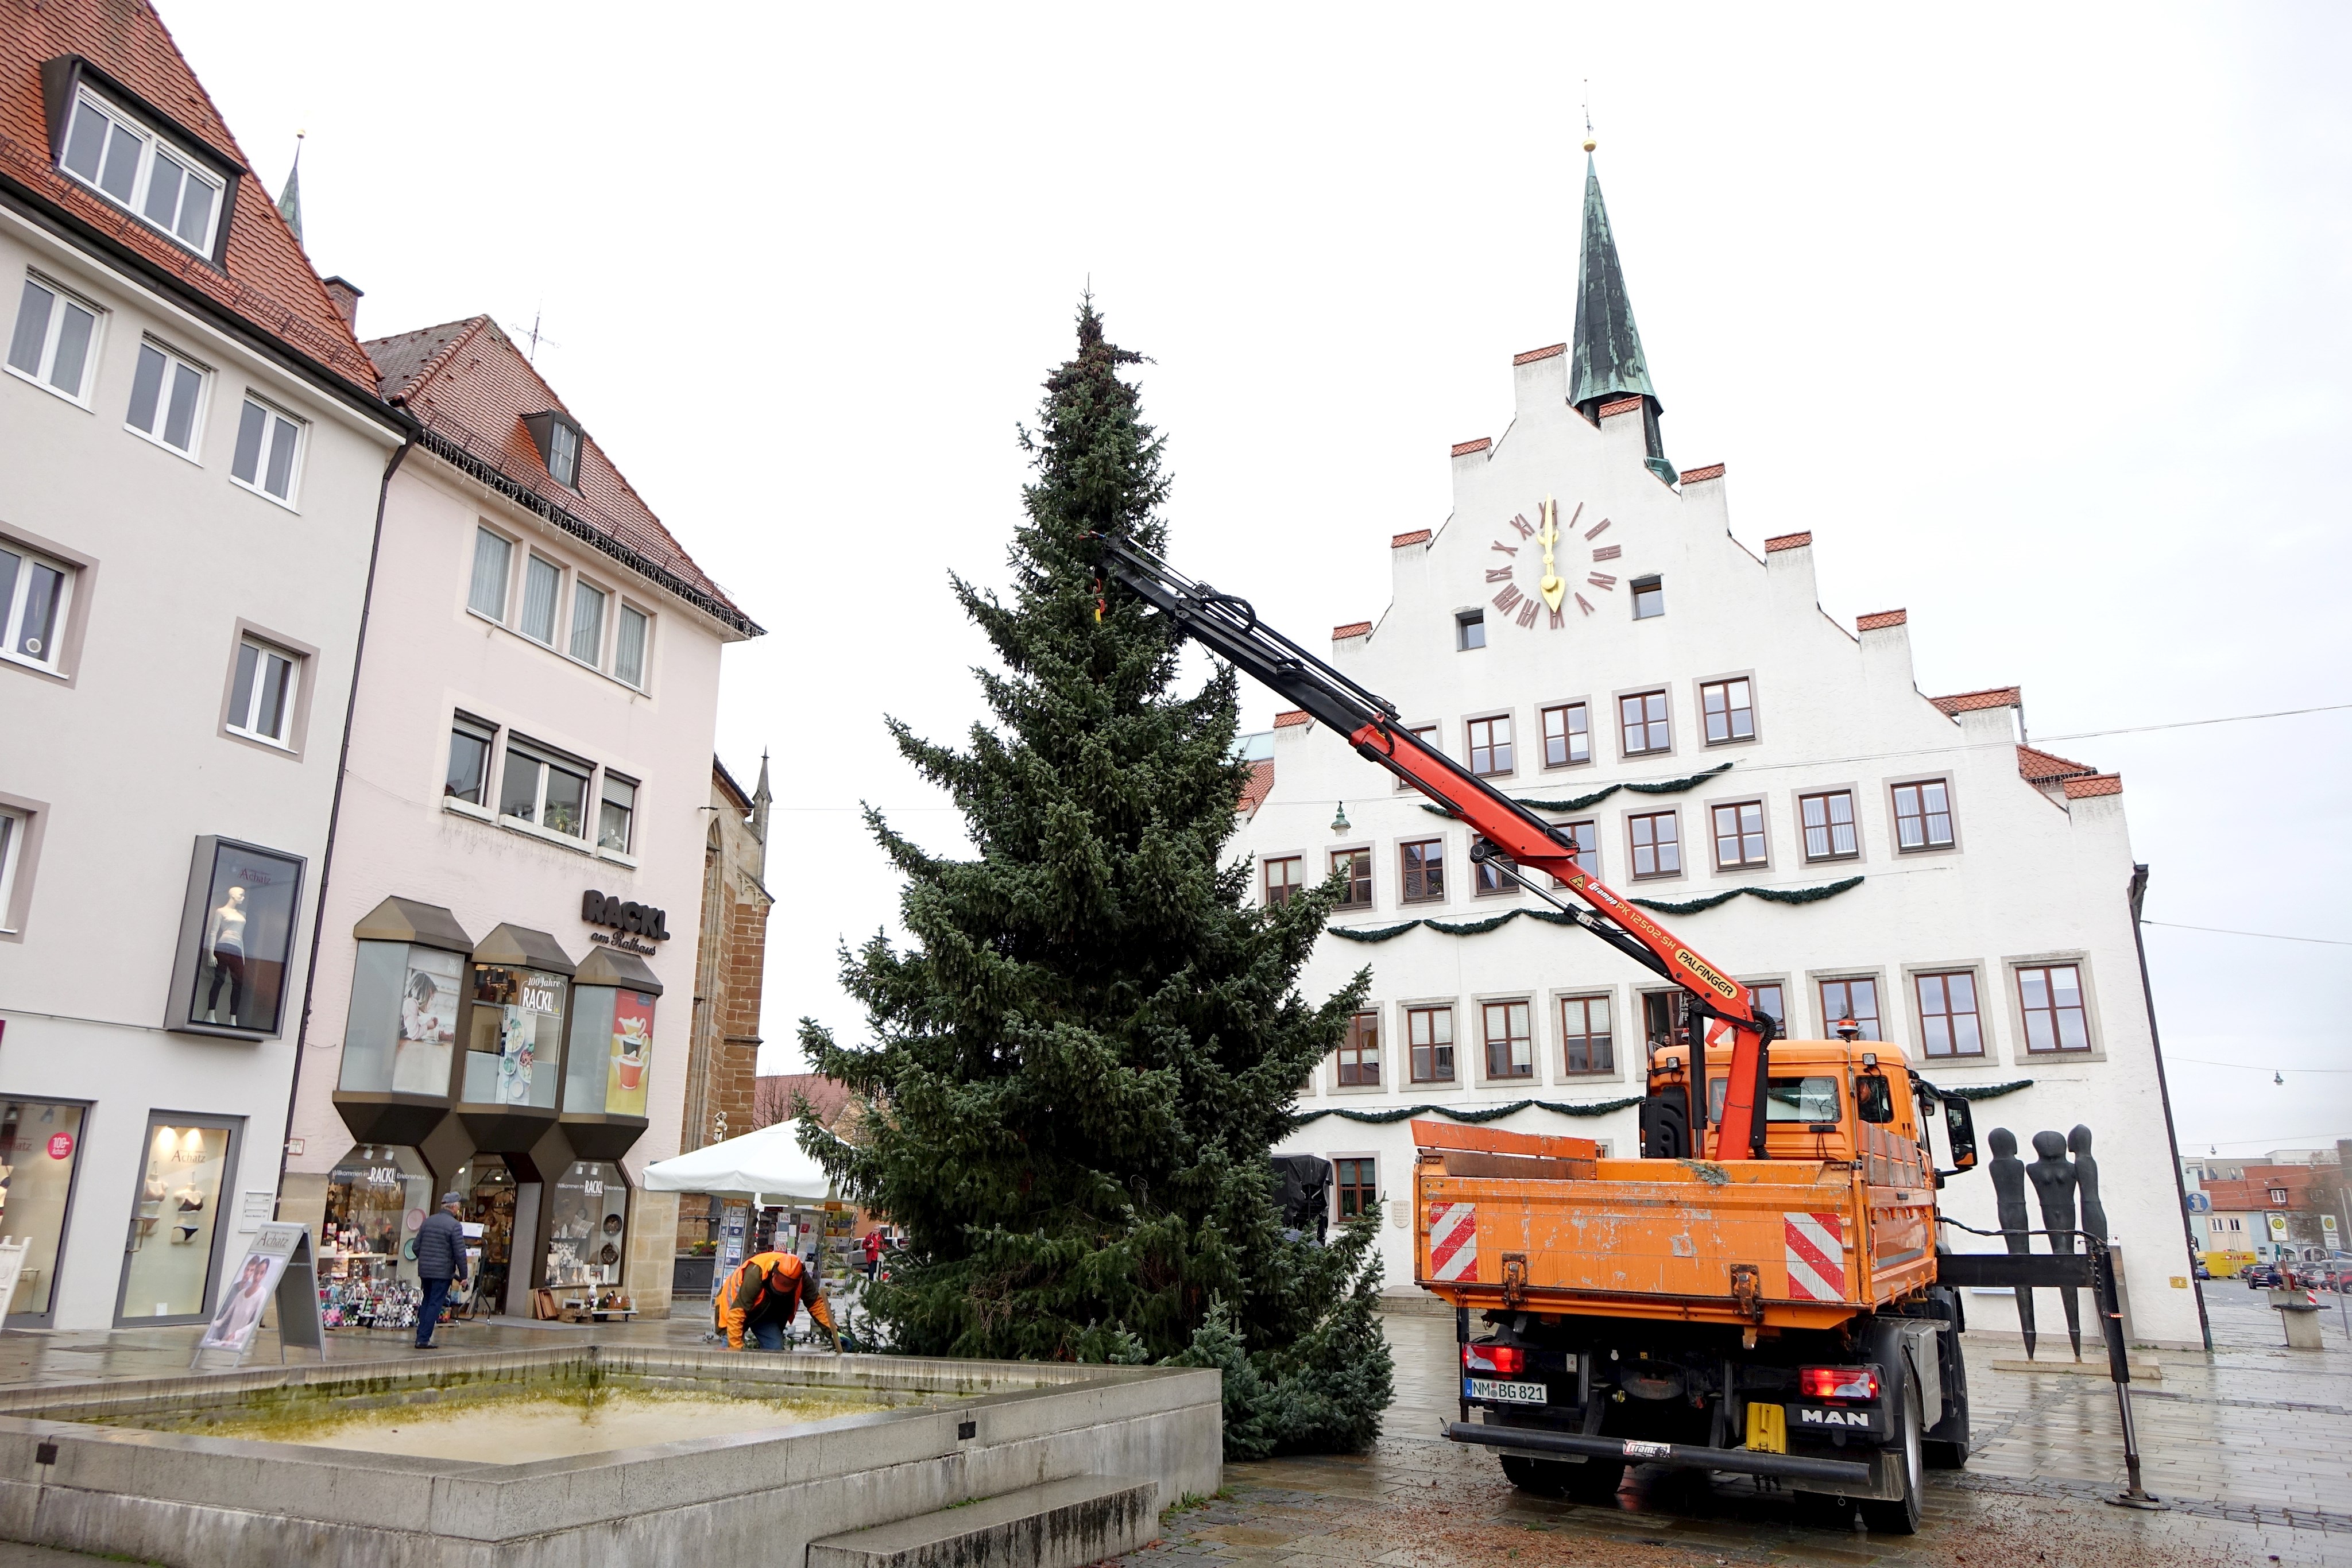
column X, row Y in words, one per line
column 767, row 1165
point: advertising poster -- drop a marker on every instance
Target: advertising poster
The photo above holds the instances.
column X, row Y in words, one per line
column 734, row 1232
column 429, row 1000
column 633, row 1038
column 540, row 1000
column 239, row 1318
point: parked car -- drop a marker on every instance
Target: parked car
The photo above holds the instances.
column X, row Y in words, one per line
column 2202, row 1271
column 2261, row 1277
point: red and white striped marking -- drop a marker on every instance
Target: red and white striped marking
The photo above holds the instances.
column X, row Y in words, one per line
column 1816, row 1250
column 1453, row 1241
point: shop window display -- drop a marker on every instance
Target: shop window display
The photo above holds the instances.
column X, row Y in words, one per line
column 611, row 1045
column 403, row 1026
column 377, row 1198
column 588, row 1231
column 238, row 936
column 168, row 1273
column 40, row 1147
column 514, row 1053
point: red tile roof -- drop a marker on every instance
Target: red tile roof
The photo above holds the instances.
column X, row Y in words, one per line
column 1464, row 448
column 2041, row 767
column 1352, row 629
column 1881, row 621
column 2095, row 784
column 1991, row 697
column 1418, row 537
column 268, row 284
column 1291, row 718
column 1532, row 355
column 1788, row 541
column 471, row 387
column 1258, row 787
column 1700, row 475
column 1622, row 406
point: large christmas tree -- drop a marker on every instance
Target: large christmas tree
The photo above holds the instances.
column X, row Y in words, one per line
column 1077, row 1069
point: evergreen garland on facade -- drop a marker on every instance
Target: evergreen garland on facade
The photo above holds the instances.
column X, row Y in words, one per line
column 1482, row 1113
column 1665, row 786
column 1772, row 894
column 1557, row 917
column 1082, row 1059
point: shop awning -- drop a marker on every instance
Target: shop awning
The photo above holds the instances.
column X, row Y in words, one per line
column 768, row 1165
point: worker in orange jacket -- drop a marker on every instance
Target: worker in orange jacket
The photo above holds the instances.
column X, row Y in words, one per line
column 759, row 1298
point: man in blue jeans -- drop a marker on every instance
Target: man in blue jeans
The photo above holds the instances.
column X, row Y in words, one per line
column 440, row 1262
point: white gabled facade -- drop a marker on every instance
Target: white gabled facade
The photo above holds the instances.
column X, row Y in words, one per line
column 2037, row 876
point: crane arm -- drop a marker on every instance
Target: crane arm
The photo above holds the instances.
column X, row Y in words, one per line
column 1228, row 627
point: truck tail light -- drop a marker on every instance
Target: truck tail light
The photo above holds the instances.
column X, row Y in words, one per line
column 1838, row 1382
column 1501, row 1360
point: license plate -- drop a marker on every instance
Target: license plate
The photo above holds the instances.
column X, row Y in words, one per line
column 1503, row 1392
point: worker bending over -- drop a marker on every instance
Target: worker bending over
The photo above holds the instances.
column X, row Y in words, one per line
column 759, row 1300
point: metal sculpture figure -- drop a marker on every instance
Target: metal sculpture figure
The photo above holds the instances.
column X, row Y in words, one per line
column 2016, row 1229
column 2086, row 1172
column 2054, row 1180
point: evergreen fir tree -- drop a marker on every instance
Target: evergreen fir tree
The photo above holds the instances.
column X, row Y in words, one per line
column 1078, row 1068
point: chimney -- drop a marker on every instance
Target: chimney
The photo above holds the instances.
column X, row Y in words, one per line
column 346, row 296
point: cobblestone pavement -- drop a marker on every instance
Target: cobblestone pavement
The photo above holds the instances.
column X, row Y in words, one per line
column 2249, row 1448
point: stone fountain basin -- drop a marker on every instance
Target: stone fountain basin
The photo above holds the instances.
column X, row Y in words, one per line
column 78, row 1469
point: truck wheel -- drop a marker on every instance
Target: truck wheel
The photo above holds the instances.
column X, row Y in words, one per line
column 1901, row 1516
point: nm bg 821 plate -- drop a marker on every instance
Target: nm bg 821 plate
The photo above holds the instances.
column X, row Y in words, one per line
column 1503, row 1392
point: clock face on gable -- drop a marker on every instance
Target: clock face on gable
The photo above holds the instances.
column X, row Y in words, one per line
column 1548, row 570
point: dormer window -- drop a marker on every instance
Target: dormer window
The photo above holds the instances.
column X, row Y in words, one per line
column 558, row 439
column 133, row 167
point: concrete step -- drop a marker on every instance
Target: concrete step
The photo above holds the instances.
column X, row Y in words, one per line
column 1062, row 1524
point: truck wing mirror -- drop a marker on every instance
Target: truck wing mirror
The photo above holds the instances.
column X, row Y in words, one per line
column 1960, row 1130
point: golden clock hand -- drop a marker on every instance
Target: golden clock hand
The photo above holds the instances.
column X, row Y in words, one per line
column 1552, row 587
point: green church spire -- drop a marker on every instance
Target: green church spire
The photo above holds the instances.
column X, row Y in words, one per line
column 289, row 200
column 1608, row 363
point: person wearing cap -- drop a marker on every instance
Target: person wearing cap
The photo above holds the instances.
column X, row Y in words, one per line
column 440, row 1262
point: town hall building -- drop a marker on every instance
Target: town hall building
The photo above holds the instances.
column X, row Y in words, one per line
column 1585, row 632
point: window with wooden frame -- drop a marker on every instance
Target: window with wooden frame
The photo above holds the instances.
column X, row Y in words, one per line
column 1729, row 709
column 1642, row 724
column 1358, row 1182
column 1490, row 745
column 1568, row 738
column 1359, row 1053
column 1768, row 998
column 1828, row 820
column 1923, row 816
column 1491, row 878
column 1649, row 597
column 1424, row 870
column 1658, row 844
column 1427, row 734
column 1586, row 1045
column 2050, row 996
column 1851, row 1001
column 1662, row 1017
column 1510, row 1047
column 1948, row 1024
column 1283, row 876
column 1739, row 834
column 1429, row 1035
column 1585, row 836
column 1355, row 869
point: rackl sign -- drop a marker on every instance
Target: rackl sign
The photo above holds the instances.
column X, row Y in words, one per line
column 632, row 918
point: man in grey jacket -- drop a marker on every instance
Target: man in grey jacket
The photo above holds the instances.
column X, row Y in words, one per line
column 440, row 1260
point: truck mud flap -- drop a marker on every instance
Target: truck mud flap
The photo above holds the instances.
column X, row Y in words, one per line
column 1840, row 1473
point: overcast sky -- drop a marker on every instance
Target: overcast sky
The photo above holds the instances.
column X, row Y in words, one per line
column 2034, row 315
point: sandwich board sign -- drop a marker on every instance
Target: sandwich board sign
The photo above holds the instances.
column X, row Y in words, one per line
column 278, row 1268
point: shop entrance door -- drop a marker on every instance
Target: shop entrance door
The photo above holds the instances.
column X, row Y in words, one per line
column 40, row 1150
column 527, row 1195
column 488, row 1186
column 172, row 1254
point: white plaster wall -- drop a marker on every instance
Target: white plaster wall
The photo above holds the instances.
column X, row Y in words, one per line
column 427, row 657
column 2029, row 876
column 126, row 754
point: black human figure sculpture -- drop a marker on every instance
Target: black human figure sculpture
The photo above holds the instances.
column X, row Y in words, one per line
column 2016, row 1229
column 2086, row 1173
column 2054, row 1180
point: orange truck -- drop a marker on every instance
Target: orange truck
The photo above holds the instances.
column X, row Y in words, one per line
column 1777, row 1317
column 1760, row 1292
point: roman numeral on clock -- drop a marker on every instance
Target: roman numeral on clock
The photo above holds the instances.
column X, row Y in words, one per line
column 1501, row 547
column 1527, row 529
column 1508, row 599
column 1607, row 552
column 1528, row 609
column 1498, row 574
column 1603, row 579
column 1594, row 531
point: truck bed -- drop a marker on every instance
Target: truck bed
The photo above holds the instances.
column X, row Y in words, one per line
column 1779, row 1243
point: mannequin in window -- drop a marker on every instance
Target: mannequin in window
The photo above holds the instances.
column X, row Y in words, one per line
column 224, row 940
